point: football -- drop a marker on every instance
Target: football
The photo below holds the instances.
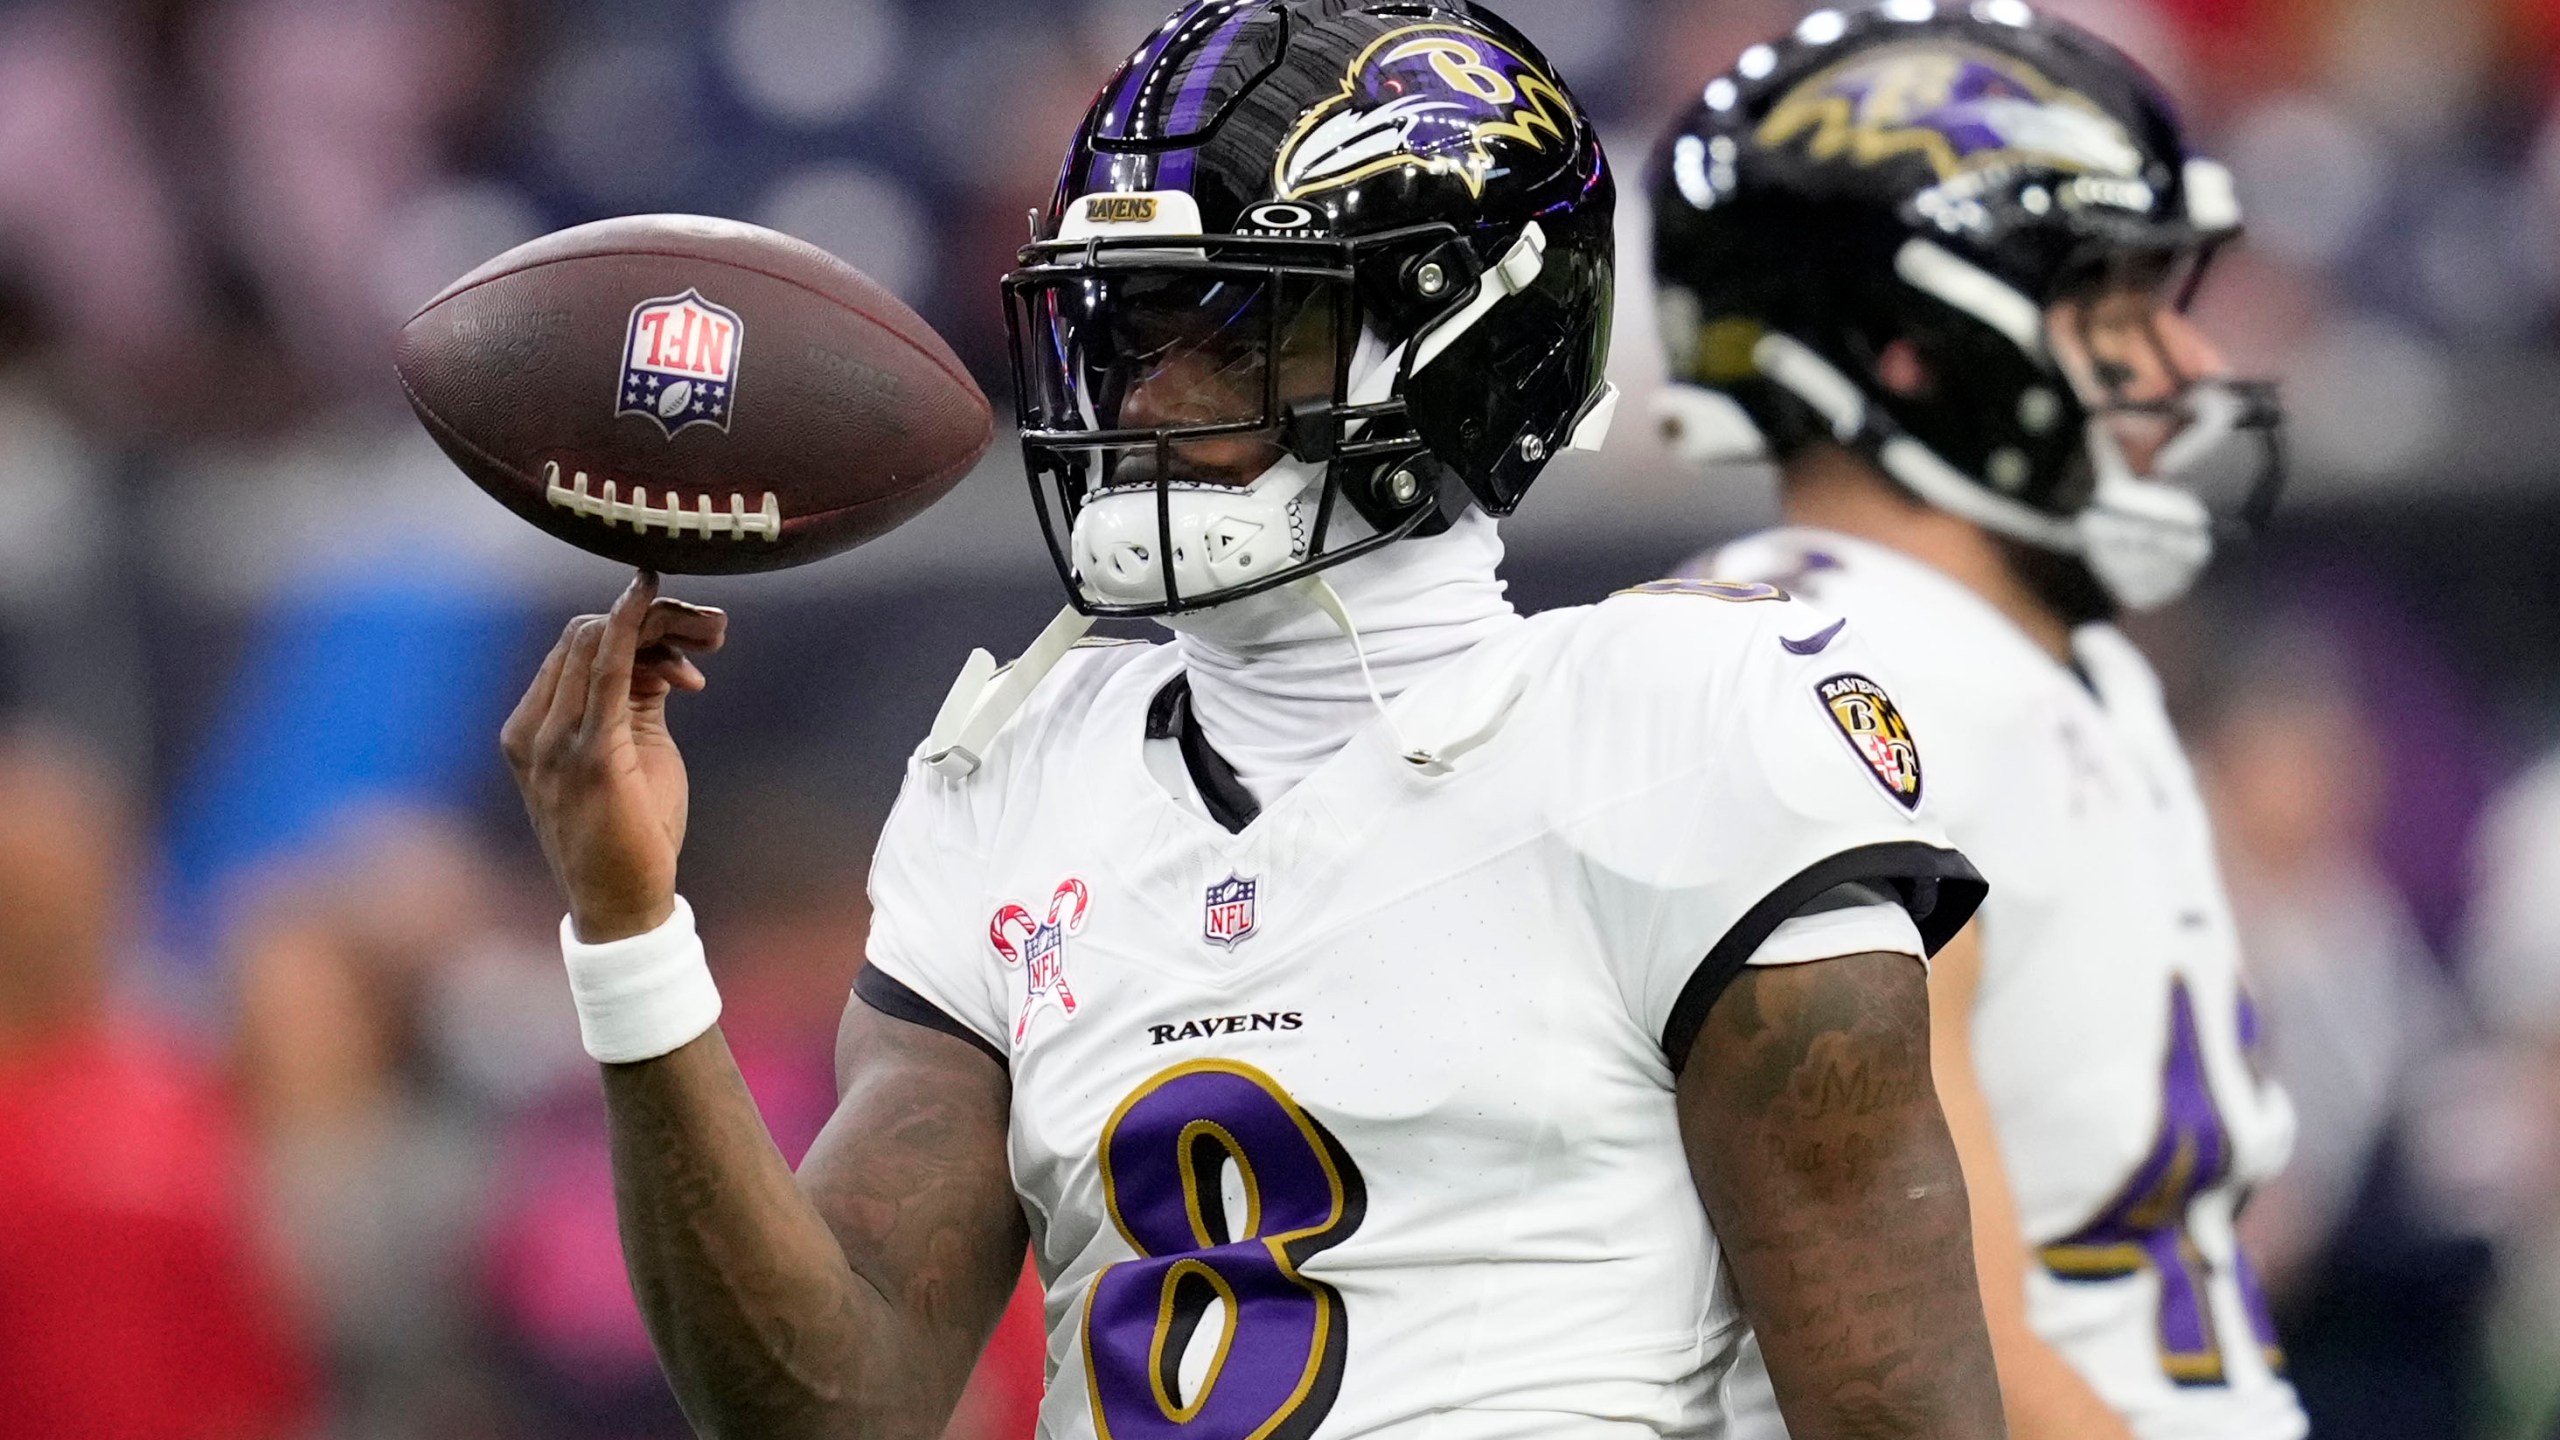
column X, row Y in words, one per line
column 692, row 395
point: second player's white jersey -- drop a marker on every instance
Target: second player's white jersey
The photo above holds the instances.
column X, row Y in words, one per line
column 2111, row 1033
column 1360, row 1121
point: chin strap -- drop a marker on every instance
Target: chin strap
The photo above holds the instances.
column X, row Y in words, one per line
column 1434, row 760
column 1327, row 599
column 985, row 697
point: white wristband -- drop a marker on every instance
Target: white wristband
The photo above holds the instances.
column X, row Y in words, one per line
column 643, row 997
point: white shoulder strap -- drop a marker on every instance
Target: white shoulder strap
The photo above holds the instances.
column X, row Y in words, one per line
column 984, row 697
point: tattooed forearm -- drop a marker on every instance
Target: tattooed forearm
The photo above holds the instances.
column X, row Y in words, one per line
column 753, row 1309
column 849, row 1303
column 1817, row 1144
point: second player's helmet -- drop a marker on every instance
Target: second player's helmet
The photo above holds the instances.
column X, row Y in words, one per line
column 1942, row 173
column 1319, row 275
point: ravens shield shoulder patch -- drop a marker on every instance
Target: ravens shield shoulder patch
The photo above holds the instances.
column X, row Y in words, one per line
column 1873, row 725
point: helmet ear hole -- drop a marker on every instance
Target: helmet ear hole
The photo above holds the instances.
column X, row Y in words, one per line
column 1405, row 295
column 1527, row 374
column 1442, row 274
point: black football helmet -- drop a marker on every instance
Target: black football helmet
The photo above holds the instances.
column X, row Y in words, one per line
column 1319, row 274
column 1944, row 173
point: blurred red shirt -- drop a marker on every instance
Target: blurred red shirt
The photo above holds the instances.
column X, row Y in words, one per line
column 134, row 1297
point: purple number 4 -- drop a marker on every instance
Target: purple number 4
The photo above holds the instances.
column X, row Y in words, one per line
column 2145, row 1225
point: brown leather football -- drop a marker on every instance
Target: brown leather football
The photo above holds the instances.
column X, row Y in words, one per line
column 692, row 395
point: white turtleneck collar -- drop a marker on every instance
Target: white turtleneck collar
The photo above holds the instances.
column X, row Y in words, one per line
column 1275, row 685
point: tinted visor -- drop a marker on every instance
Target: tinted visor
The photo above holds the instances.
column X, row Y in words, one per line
column 1122, row 356
column 1165, row 364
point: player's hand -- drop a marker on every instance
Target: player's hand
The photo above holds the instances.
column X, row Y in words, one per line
column 601, row 776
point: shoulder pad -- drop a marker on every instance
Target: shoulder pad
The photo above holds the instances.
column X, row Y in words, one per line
column 986, row 696
column 1732, row 592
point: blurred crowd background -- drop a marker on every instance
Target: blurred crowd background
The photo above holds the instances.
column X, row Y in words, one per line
column 295, row 1136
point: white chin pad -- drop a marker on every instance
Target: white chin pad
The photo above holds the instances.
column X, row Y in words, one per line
column 2146, row 542
column 1223, row 537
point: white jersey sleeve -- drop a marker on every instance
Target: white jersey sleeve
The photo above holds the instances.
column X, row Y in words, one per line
column 1743, row 760
column 931, row 904
column 926, row 932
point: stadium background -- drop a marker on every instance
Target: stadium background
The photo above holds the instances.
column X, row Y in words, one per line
column 295, row 1139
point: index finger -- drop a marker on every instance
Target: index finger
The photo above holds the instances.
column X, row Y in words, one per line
column 609, row 680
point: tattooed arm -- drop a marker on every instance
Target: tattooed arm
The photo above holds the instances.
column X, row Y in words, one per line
column 854, row 1302
column 1818, row 1147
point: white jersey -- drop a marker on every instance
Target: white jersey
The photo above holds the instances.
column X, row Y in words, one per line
column 1360, row 1121
column 2111, row 1033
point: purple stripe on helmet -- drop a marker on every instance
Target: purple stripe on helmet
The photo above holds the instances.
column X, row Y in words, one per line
column 1121, row 172
column 1191, row 81
column 1204, row 70
column 1193, row 99
column 1116, row 116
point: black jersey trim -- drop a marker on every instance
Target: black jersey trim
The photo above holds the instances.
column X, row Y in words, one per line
column 1169, row 717
column 1939, row 887
column 1856, row 895
column 883, row 992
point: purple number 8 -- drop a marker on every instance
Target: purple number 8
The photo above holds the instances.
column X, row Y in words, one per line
column 1278, row 1363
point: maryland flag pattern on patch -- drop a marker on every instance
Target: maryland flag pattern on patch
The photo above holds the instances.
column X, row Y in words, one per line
column 1874, row 727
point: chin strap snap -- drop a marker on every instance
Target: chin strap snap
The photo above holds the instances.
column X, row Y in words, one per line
column 1515, row 272
column 985, row 697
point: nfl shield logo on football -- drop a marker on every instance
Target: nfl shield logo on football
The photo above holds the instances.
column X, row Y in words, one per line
column 680, row 362
column 1228, row 918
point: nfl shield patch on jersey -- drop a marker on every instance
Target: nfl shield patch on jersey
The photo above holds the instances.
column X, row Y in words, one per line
column 1227, row 919
column 1873, row 725
column 1038, row 948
